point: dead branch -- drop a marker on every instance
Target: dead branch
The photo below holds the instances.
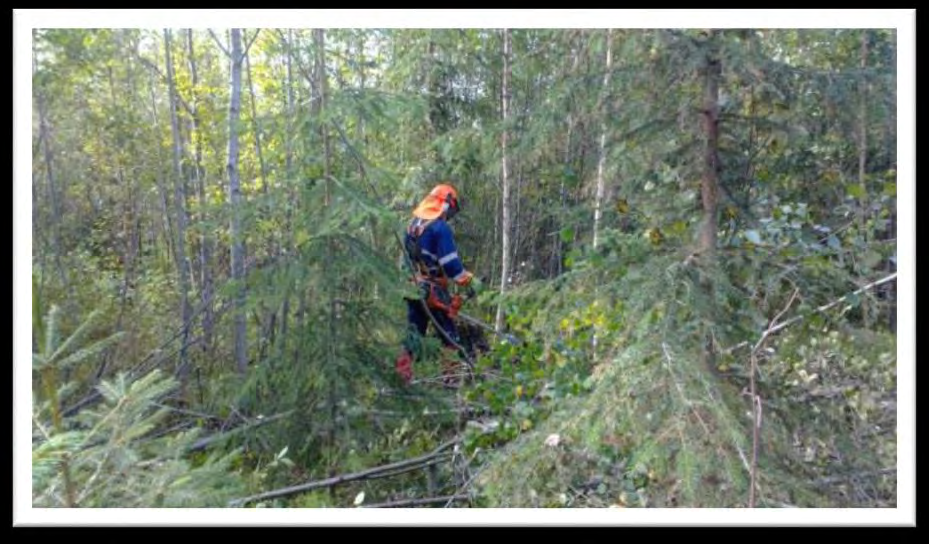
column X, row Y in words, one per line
column 220, row 44
column 164, row 79
column 418, row 462
column 756, row 399
column 825, row 393
column 405, row 503
column 432, row 462
column 212, row 439
column 300, row 67
column 829, row 480
column 823, row 308
column 250, row 42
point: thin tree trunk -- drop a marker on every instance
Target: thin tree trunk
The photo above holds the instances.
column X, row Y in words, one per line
column 711, row 152
column 505, row 205
column 181, row 215
column 237, row 251
column 288, row 167
column 256, row 129
column 517, row 215
column 432, row 84
column 361, row 139
column 128, row 219
column 601, row 110
column 319, row 39
column 708, row 235
column 302, row 294
column 167, row 225
column 862, row 162
column 496, row 215
column 301, row 326
column 601, row 161
column 55, row 216
column 567, row 161
column 206, row 240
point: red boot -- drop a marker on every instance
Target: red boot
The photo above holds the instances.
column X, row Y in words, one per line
column 405, row 366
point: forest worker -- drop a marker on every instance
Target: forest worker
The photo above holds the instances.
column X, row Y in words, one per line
column 430, row 244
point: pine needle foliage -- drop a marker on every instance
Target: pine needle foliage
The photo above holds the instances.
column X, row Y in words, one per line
column 657, row 427
column 111, row 455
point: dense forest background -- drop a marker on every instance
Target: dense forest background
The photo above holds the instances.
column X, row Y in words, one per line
column 689, row 238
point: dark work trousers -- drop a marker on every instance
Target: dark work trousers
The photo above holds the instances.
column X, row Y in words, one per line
column 418, row 321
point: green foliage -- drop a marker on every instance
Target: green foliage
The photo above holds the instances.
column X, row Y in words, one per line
column 653, row 426
column 111, row 455
column 615, row 354
column 834, row 387
column 112, row 458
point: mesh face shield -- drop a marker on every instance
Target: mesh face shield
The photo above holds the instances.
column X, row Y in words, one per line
column 453, row 206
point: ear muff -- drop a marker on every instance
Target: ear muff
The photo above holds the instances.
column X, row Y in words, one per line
column 451, row 205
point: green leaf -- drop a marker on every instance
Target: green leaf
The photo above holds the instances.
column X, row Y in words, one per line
column 871, row 259
column 834, row 242
column 855, row 191
column 854, row 300
column 567, row 234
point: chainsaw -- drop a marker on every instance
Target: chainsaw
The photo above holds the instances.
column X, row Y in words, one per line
column 478, row 323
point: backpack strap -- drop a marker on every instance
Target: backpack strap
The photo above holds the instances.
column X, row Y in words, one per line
column 413, row 232
column 418, row 226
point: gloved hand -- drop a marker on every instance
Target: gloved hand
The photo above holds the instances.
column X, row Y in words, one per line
column 476, row 286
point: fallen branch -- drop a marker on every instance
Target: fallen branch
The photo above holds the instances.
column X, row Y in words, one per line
column 394, row 413
column 405, row 503
column 756, row 399
column 154, row 358
column 829, row 480
column 825, row 393
column 200, row 415
column 823, row 308
column 434, row 461
column 467, row 483
column 376, row 472
column 214, row 438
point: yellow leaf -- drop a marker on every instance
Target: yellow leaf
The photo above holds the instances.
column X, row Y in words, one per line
column 527, row 424
column 622, row 206
column 519, row 391
column 300, row 237
column 655, row 236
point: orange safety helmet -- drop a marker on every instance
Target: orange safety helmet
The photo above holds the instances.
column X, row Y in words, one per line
column 442, row 199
